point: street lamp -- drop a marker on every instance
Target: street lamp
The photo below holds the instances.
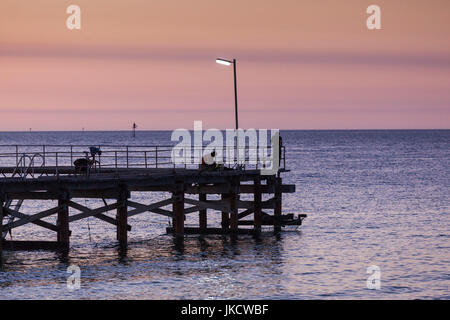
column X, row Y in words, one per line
column 229, row 63
column 226, row 62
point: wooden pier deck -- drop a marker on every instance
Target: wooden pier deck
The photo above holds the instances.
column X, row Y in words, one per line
column 188, row 188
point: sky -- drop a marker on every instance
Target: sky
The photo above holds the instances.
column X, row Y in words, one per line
column 310, row 64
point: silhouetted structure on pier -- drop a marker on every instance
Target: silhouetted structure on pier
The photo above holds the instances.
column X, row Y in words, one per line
column 119, row 173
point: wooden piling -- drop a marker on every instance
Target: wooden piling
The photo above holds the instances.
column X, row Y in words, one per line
column 1, row 226
column 202, row 216
column 63, row 233
column 257, row 199
column 233, row 199
column 122, row 219
column 178, row 211
column 277, row 210
column 225, row 215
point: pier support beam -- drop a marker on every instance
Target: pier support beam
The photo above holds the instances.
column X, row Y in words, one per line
column 233, row 199
column 63, row 233
column 234, row 212
column 122, row 219
column 202, row 216
column 1, row 227
column 178, row 211
column 225, row 215
column 257, row 199
column 277, row 210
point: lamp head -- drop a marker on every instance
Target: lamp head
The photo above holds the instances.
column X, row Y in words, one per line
column 224, row 62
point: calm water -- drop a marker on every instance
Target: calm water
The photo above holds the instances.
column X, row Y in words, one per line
column 372, row 198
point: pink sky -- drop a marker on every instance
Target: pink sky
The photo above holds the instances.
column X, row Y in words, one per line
column 301, row 64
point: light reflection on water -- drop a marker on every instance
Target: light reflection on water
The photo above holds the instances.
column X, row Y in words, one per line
column 159, row 268
column 372, row 198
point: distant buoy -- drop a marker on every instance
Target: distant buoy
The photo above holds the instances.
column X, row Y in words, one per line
column 134, row 129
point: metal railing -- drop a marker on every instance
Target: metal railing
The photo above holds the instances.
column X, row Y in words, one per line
column 57, row 157
column 23, row 169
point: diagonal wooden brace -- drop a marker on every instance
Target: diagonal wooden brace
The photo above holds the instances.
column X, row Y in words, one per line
column 32, row 218
column 21, row 215
column 89, row 212
column 100, row 216
column 140, row 208
column 211, row 204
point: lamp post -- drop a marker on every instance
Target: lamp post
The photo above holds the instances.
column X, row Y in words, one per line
column 229, row 63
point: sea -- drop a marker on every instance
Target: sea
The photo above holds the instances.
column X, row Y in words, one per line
column 377, row 227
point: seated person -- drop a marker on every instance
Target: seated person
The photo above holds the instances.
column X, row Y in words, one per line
column 208, row 161
column 82, row 165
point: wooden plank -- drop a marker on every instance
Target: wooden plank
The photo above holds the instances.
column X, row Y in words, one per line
column 99, row 216
column 110, row 220
column 218, row 205
column 35, row 195
column 267, row 204
column 266, row 188
column 96, row 194
column 143, row 208
column 287, row 188
column 192, row 209
column 90, row 212
column 193, row 230
column 40, row 223
column 32, row 245
column 209, row 189
column 31, row 218
column 166, row 188
column 250, row 223
column 163, row 212
column 245, row 213
column 133, row 180
column 249, row 188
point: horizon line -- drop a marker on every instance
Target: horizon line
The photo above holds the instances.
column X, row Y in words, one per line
column 150, row 130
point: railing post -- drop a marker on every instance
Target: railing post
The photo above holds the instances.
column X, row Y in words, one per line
column 156, row 156
column 115, row 160
column 43, row 153
column 24, row 164
column 17, row 155
column 127, row 156
column 99, row 161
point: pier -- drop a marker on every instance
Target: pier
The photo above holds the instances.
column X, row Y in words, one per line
column 47, row 172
